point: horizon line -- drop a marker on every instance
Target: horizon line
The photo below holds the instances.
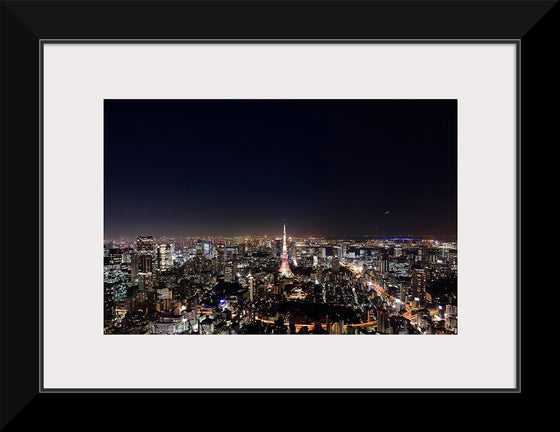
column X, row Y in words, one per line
column 373, row 236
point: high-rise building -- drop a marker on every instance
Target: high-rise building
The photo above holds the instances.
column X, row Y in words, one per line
column 251, row 288
column 419, row 282
column 145, row 249
column 402, row 293
column 230, row 252
column 164, row 257
column 199, row 246
column 145, row 282
column 145, row 245
column 341, row 252
column 208, row 249
column 335, row 265
column 450, row 310
column 276, row 246
column 109, row 301
column 229, row 272
column 285, row 266
column 382, row 320
column 116, row 255
column 144, row 264
column 383, row 263
column 133, row 269
column 420, row 256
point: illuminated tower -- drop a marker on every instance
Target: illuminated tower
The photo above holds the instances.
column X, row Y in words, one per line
column 285, row 267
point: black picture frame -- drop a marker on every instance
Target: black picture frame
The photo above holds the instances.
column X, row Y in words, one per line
column 26, row 25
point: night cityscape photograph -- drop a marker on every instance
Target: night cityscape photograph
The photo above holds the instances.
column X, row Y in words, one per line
column 280, row 217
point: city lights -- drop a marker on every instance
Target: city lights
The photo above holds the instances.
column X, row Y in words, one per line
column 246, row 286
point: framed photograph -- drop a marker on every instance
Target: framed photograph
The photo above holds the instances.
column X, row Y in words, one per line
column 221, row 202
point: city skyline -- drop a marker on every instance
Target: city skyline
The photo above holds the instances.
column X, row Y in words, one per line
column 231, row 167
column 246, row 286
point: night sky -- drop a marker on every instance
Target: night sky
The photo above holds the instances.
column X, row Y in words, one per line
column 239, row 167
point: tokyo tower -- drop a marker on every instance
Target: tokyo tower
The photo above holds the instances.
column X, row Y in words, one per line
column 285, row 267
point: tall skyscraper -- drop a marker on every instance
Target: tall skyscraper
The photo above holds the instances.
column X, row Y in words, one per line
column 208, row 249
column 164, row 257
column 341, row 252
column 229, row 271
column 383, row 263
column 145, row 248
column 285, row 266
column 382, row 320
column 402, row 293
column 418, row 283
column 251, row 288
column 133, row 269
column 144, row 263
column 145, row 245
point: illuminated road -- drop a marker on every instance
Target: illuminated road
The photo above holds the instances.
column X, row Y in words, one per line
column 408, row 315
column 298, row 326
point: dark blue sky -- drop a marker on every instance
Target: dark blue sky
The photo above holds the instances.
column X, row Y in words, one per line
column 331, row 167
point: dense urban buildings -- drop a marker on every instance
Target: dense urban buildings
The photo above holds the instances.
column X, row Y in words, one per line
column 280, row 285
